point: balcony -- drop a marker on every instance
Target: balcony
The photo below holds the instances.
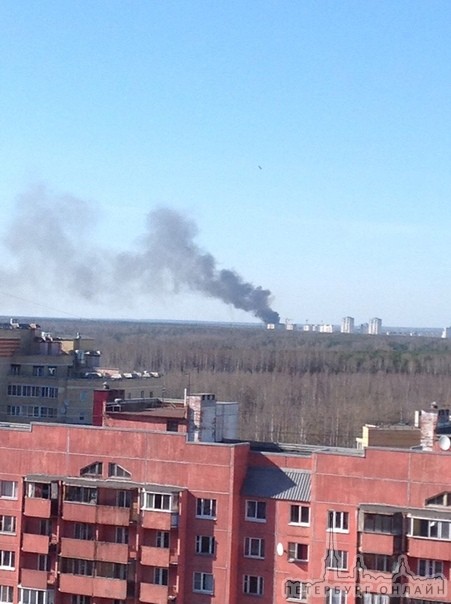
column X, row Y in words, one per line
column 149, row 592
column 432, row 549
column 100, row 587
column 37, row 544
column 112, row 552
column 37, row 508
column 94, row 550
column 377, row 543
column 423, row 588
column 112, row 515
column 154, row 556
column 79, row 512
column 156, row 519
column 35, row 579
column 376, row 581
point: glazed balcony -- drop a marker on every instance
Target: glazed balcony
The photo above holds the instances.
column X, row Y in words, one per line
column 149, row 592
column 37, row 508
column 37, row 544
column 100, row 587
column 156, row 519
column 94, row 550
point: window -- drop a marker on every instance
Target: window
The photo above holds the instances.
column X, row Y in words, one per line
column 298, row 551
column 206, row 508
column 375, row 598
column 76, row 566
column 160, row 576
column 121, row 534
column 254, row 547
column 335, row 596
column 38, row 490
column 296, row 591
column 81, row 494
column 205, row 545
column 337, row 521
column 157, row 501
column 378, row 523
column 94, row 469
column 337, row 559
column 172, row 425
column 76, row 599
column 430, row 568
column 118, row 471
column 256, row 511
column 300, row 514
column 6, row 594
column 45, row 526
column 8, row 489
column 253, row 585
column 15, row 369
column 43, row 562
column 7, row 559
column 432, row 529
column 203, row 583
column 162, row 539
column 35, row 596
column 7, row 524
column 52, row 370
column 111, row 570
column 380, row 562
column 38, row 370
column 124, row 499
column 84, row 531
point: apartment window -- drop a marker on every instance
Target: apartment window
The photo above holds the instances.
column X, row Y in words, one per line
column 375, row 598
column 298, row 552
column 6, row 594
column 254, row 547
column 118, row 471
column 160, row 576
column 83, row 530
column 124, row 499
column 111, row 570
column 296, row 591
column 76, row 566
column 94, row 469
column 335, row 596
column 77, row 599
column 203, row 583
column 337, row 559
column 157, row 501
column 7, row 524
column 8, row 489
column 256, row 511
column 52, row 370
column 430, row 568
column 432, row 529
column 338, row 521
column 15, row 369
column 35, row 596
column 205, row 545
column 38, row 370
column 162, row 539
column 121, row 534
column 300, row 514
column 206, row 508
column 7, row 559
column 81, row 494
column 172, row 425
column 45, row 526
column 39, row 490
column 379, row 562
column 378, row 523
column 253, row 585
column 43, row 562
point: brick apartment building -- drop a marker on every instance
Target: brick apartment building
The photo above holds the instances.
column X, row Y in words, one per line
column 147, row 506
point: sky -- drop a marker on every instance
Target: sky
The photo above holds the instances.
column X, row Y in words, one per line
column 302, row 147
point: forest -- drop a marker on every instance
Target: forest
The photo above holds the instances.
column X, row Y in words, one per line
column 292, row 386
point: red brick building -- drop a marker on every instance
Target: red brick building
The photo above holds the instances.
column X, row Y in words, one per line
column 118, row 513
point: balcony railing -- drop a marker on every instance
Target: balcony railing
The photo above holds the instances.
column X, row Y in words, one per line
column 101, row 587
column 38, row 544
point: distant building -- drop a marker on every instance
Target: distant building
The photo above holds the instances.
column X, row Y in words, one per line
column 446, row 333
column 347, row 325
column 375, row 327
column 326, row 328
column 397, row 435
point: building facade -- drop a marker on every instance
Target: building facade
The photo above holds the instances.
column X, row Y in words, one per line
column 347, row 325
column 127, row 511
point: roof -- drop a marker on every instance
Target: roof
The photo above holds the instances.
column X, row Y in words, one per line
column 84, row 481
column 271, row 483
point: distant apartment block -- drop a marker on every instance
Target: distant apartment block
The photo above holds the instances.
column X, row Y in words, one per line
column 375, row 327
column 347, row 325
column 446, row 333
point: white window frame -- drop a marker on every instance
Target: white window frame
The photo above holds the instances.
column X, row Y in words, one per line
column 7, row 559
column 203, row 583
column 206, row 508
column 375, row 598
column 300, row 511
column 6, row 594
column 338, row 521
column 296, row 591
column 205, row 545
column 28, row 595
column 158, row 502
column 8, row 524
column 254, row 547
column 6, row 487
column 336, row 596
column 295, row 550
column 436, row 529
column 255, row 510
column 253, row 585
column 430, row 569
column 337, row 559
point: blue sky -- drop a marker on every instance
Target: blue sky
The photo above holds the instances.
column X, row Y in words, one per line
column 309, row 141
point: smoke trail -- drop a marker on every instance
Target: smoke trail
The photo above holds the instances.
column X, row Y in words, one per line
column 46, row 243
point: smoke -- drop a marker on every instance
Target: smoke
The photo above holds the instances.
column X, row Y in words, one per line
column 47, row 240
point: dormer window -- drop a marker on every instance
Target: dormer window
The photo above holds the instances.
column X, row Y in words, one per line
column 117, row 471
column 94, row 469
column 442, row 499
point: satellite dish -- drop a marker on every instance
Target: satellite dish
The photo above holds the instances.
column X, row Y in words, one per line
column 279, row 548
column 444, row 443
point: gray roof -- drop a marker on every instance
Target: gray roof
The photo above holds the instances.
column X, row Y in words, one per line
column 275, row 483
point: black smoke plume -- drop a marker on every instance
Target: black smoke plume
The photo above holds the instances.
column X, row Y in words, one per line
column 46, row 240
